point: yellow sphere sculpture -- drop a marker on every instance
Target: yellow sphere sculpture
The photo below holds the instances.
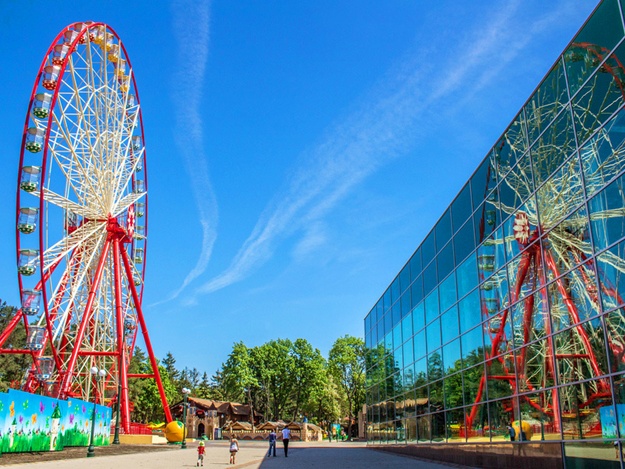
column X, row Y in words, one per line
column 174, row 431
column 525, row 426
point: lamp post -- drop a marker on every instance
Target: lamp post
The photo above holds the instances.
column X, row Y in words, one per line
column 97, row 374
column 185, row 393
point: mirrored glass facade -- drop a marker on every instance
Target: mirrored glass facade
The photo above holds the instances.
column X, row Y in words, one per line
column 511, row 311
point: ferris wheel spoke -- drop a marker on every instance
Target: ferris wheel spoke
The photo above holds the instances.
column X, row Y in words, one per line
column 66, row 204
column 81, row 236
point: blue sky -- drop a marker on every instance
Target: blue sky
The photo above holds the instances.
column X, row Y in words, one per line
column 298, row 151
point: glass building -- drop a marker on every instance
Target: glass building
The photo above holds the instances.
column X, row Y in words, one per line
column 511, row 311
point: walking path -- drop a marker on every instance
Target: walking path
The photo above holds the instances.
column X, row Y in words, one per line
column 253, row 455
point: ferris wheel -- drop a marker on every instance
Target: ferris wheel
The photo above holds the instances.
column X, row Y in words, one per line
column 559, row 286
column 82, row 221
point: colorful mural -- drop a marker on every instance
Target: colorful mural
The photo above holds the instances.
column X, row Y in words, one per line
column 29, row 422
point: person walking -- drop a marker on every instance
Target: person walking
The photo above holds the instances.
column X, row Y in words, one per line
column 286, row 436
column 200, row 454
column 234, row 448
column 272, row 443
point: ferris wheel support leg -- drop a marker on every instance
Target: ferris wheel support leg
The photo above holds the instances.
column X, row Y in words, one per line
column 121, row 343
column 69, row 372
column 11, row 327
column 146, row 337
column 523, row 269
column 572, row 309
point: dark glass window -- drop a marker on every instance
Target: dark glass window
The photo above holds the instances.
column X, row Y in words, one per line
column 388, row 322
column 405, row 303
column 483, row 181
column 416, row 291
column 404, row 278
column 461, row 207
column 487, row 218
column 443, row 230
column 395, row 290
column 415, row 265
column 464, row 242
column 445, row 261
column 387, row 299
column 430, row 280
column 428, row 248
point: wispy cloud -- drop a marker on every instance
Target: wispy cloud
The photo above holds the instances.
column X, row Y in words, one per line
column 382, row 127
column 187, row 86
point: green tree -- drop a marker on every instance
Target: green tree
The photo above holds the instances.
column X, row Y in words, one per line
column 13, row 367
column 309, row 373
column 347, row 365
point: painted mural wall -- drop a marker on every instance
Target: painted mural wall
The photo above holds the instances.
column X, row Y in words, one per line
column 29, row 422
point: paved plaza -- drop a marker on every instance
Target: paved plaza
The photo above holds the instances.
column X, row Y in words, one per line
column 252, row 455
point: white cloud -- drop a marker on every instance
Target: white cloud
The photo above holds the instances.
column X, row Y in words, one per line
column 187, row 85
column 381, row 128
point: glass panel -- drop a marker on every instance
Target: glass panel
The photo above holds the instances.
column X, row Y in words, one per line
column 431, row 306
column 472, row 347
column 445, row 261
column 405, row 304
column 396, row 313
column 397, row 339
column 395, row 290
column 546, row 102
column 561, row 195
column 611, row 276
column 467, row 278
column 447, row 292
column 416, row 291
column 449, row 322
column 491, row 255
column 435, row 369
column 387, row 299
column 615, row 327
column 554, row 146
column 486, row 218
column 470, row 314
column 443, row 230
column 501, row 415
column 581, row 352
column 455, row 425
column 451, row 357
column 581, row 409
column 589, row 455
column 428, row 248
column 436, row 387
column 453, row 391
column 600, row 96
column 430, row 279
column 388, row 342
column 472, row 377
column 421, row 376
column 433, row 332
column 464, row 242
column 483, row 181
column 475, row 432
column 608, row 217
column 408, row 358
column 404, row 278
column 406, row 327
column 500, row 376
column 598, row 37
column 603, row 157
column 511, row 146
column 418, row 317
column 419, row 344
column 461, row 207
column 415, row 264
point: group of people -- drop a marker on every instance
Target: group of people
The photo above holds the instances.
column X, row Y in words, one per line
column 234, row 447
column 273, row 437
